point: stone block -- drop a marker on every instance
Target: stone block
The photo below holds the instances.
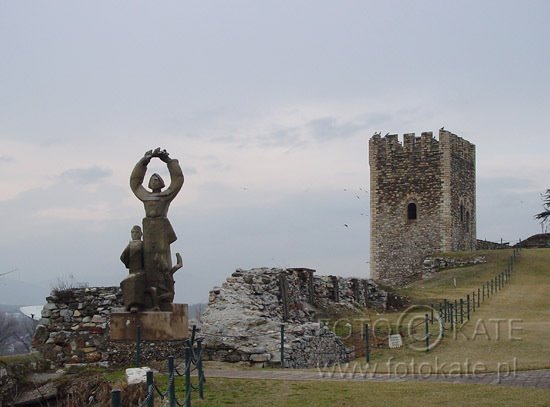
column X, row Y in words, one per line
column 136, row 375
column 260, row 357
column 155, row 325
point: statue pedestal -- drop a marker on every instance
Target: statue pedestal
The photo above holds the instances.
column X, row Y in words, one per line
column 155, row 325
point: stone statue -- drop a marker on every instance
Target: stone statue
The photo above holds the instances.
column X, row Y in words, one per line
column 133, row 286
column 158, row 233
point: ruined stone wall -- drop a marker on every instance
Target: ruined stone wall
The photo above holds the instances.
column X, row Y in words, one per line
column 432, row 265
column 436, row 178
column 74, row 325
column 242, row 322
column 74, row 329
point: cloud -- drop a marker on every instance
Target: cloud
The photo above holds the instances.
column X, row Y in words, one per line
column 91, row 175
column 6, row 159
column 328, row 128
column 189, row 170
column 283, row 137
column 96, row 213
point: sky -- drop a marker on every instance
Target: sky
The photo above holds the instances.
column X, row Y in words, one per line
column 268, row 106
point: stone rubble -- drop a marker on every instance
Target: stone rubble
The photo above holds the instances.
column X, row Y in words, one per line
column 242, row 322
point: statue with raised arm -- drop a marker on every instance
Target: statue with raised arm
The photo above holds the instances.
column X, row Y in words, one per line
column 158, row 233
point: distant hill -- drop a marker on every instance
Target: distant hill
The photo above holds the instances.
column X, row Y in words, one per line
column 538, row 240
column 9, row 308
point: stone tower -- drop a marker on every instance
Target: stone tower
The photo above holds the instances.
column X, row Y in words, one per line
column 423, row 200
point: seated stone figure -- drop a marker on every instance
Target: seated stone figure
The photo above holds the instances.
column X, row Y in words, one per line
column 134, row 286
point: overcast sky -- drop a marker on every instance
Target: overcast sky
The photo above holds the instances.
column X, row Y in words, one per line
column 268, row 105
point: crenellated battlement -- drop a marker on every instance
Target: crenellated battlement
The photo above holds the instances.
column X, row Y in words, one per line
column 457, row 145
column 390, row 145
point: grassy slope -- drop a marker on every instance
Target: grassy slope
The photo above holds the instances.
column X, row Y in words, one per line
column 523, row 305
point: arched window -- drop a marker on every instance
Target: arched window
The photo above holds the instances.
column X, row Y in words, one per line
column 411, row 211
column 467, row 221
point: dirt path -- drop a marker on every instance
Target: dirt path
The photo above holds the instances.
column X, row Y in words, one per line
column 528, row 378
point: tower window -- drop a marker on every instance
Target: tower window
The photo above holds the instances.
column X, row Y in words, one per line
column 411, row 211
column 461, row 213
column 467, row 221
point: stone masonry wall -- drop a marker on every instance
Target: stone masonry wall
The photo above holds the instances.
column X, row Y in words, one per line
column 436, row 177
column 74, row 329
column 432, row 265
column 459, row 211
column 74, row 325
column 242, row 322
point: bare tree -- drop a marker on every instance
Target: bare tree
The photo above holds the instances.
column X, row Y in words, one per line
column 544, row 215
column 15, row 333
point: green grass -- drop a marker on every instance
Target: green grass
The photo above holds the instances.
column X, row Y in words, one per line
column 468, row 279
column 238, row 392
column 511, row 328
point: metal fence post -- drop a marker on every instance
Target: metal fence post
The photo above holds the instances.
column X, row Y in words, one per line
column 115, row 398
column 171, row 382
column 187, row 373
column 282, row 345
column 367, row 349
column 461, row 311
column 138, row 346
column 150, row 389
column 456, row 312
column 199, row 369
column 427, row 321
column 442, row 321
column 468, row 307
column 478, row 303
